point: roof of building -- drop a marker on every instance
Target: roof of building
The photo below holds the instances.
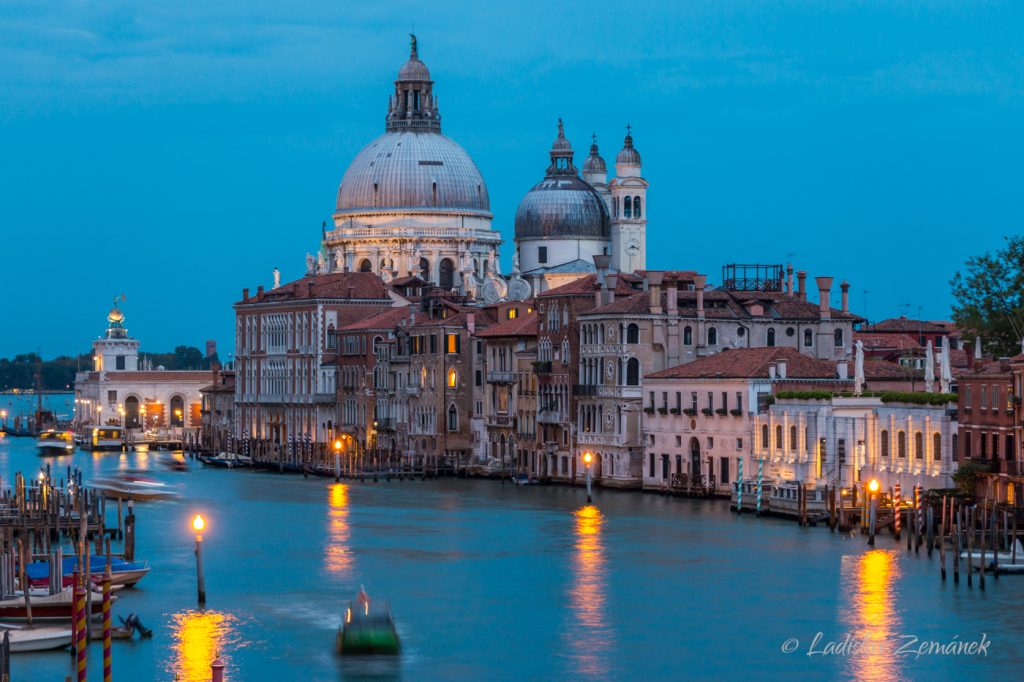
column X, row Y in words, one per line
column 885, row 341
column 524, row 325
column 338, row 285
column 905, row 325
column 584, row 286
column 721, row 304
column 751, row 363
column 385, row 319
column 226, row 384
column 574, row 266
column 154, row 376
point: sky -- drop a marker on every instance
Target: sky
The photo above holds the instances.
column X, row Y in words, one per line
column 178, row 152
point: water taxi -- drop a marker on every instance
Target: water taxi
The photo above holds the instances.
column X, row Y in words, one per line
column 104, row 438
column 367, row 628
column 55, row 443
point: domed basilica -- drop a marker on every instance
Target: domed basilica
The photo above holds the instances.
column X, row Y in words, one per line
column 413, row 203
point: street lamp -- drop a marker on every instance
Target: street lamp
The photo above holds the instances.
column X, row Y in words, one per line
column 337, row 460
column 198, row 524
column 587, row 459
column 873, row 489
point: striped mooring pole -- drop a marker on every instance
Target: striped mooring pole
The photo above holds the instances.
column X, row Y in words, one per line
column 760, row 471
column 83, row 623
column 739, row 489
column 107, row 675
column 896, row 510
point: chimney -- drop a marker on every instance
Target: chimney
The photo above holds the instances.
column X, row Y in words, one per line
column 259, row 292
column 471, row 323
column 611, row 280
column 801, row 278
column 698, row 283
column 824, row 290
column 211, row 348
column 771, row 371
column 245, row 294
column 351, row 291
column 672, row 297
column 789, row 279
column 844, row 370
column 782, row 369
column 654, row 280
column 601, row 262
column 845, row 286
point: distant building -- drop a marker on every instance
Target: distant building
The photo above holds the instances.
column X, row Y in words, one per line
column 121, row 389
column 218, row 413
column 922, row 331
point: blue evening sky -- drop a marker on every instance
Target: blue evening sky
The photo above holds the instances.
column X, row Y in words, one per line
column 177, row 152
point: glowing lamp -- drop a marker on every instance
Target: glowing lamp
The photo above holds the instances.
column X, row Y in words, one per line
column 587, row 458
column 337, row 444
column 873, row 485
column 198, row 523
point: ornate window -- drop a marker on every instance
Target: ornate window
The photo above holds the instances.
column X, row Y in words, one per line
column 636, row 207
column 778, row 437
column 937, row 446
column 632, row 334
column 918, row 445
column 901, row 444
column 633, row 372
column 884, row 437
column 792, row 438
column 764, row 437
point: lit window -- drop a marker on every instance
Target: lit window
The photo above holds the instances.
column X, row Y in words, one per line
column 513, row 313
column 453, row 378
column 451, row 343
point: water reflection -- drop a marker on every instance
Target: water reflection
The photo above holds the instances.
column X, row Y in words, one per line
column 199, row 638
column 871, row 614
column 591, row 637
column 338, row 555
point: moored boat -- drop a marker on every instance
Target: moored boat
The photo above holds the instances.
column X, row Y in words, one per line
column 103, row 438
column 122, row 573
column 35, row 638
column 367, row 628
column 45, row 606
column 1011, row 562
column 55, row 444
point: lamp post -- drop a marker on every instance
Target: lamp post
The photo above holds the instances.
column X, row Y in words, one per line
column 198, row 524
column 872, row 493
column 337, row 460
column 587, row 459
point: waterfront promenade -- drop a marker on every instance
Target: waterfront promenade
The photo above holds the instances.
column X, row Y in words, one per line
column 492, row 581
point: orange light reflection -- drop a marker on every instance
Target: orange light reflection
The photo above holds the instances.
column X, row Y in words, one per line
column 338, row 557
column 872, row 614
column 199, row 637
column 590, row 639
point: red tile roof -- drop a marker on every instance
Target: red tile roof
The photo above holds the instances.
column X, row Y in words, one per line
column 386, row 319
column 524, row 325
column 584, row 286
column 905, row 325
column 338, row 285
column 751, row 363
column 883, row 341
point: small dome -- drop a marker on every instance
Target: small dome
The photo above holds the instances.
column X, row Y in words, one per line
column 561, row 143
column 628, row 156
column 594, row 163
column 562, row 206
column 115, row 316
column 414, row 69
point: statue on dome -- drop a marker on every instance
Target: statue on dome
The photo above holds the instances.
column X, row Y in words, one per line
column 310, row 263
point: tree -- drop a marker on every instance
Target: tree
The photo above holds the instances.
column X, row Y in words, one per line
column 989, row 294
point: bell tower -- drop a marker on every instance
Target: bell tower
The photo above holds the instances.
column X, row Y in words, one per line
column 629, row 210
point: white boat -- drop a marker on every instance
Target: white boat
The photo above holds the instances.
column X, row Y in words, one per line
column 133, row 487
column 45, row 606
column 1005, row 563
column 55, row 443
column 44, row 638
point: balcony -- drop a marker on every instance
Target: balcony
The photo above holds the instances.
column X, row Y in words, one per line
column 601, row 439
column 499, row 377
column 499, row 420
column 551, row 417
column 325, row 397
column 584, row 390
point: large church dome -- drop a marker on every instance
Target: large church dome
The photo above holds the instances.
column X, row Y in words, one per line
column 413, row 166
column 562, row 205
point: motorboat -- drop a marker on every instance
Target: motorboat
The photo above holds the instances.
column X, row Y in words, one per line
column 367, row 628
column 134, row 487
column 122, row 573
column 55, row 443
column 46, row 606
column 24, row 638
column 227, row 460
column 997, row 562
column 103, row 438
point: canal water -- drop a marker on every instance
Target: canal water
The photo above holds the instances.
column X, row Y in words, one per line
column 500, row 582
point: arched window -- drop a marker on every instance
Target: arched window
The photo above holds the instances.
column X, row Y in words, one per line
column 633, row 372
column 365, row 265
column 445, row 275
column 712, row 336
column 918, row 445
column 636, row 207
column 615, row 207
column 453, row 378
column 884, row 437
column 808, row 338
column 778, row 437
column 632, row 334
column 687, row 336
column 177, row 411
column 792, row 438
column 838, row 336
column 901, row 444
column 627, row 208
column 453, row 418
column 764, row 437
column 131, row 412
column 771, row 337
column 424, row 269
column 937, row 446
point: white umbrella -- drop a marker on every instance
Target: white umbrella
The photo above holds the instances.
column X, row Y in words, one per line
column 945, row 373
column 977, row 348
column 858, row 378
column 929, row 367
